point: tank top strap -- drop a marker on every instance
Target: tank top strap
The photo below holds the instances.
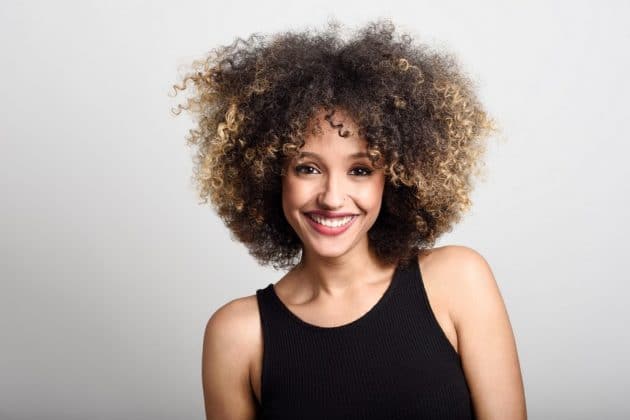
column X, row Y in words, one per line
column 419, row 299
column 272, row 316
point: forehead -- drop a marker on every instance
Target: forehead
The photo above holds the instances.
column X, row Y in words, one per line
column 333, row 132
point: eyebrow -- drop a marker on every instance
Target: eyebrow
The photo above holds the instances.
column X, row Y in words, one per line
column 354, row 155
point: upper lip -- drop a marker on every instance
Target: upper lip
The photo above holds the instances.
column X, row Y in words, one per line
column 324, row 213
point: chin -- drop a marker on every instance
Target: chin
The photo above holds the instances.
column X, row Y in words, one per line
column 331, row 247
column 328, row 253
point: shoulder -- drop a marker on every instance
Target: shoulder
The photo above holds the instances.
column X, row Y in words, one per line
column 455, row 256
column 458, row 263
column 233, row 335
column 235, row 323
column 463, row 274
column 487, row 346
column 230, row 347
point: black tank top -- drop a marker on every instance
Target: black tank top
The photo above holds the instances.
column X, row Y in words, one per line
column 394, row 362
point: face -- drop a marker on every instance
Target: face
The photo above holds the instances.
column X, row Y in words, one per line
column 331, row 194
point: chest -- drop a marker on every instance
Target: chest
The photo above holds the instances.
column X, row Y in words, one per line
column 441, row 321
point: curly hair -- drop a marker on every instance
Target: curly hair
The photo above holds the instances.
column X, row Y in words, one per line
column 252, row 102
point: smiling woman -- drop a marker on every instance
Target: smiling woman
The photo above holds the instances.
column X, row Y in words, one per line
column 343, row 161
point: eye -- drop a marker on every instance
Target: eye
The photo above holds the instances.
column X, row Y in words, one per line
column 363, row 171
column 310, row 170
column 304, row 169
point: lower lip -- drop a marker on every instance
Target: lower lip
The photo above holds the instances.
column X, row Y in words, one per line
column 325, row 230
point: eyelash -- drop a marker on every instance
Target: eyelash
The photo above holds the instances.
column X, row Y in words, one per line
column 367, row 171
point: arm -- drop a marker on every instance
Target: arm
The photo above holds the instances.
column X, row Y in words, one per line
column 225, row 365
column 486, row 342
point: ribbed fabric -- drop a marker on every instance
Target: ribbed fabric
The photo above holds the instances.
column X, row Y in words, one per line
column 394, row 362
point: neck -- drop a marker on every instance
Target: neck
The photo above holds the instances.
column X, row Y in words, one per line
column 337, row 275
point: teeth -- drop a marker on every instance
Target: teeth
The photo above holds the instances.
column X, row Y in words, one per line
column 336, row 222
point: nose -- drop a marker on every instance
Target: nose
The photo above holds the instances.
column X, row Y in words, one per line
column 333, row 193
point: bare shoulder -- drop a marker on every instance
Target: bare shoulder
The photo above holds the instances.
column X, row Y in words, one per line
column 236, row 326
column 454, row 258
column 240, row 312
column 230, row 344
column 486, row 341
column 460, row 272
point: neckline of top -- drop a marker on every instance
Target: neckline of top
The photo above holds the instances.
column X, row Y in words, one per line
column 379, row 303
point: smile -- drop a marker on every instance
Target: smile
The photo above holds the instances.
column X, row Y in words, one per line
column 331, row 222
column 328, row 225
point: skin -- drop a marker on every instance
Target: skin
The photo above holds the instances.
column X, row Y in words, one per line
column 339, row 280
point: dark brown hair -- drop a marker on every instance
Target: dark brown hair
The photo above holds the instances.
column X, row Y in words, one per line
column 252, row 102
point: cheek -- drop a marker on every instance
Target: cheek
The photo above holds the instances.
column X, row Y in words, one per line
column 292, row 195
column 371, row 195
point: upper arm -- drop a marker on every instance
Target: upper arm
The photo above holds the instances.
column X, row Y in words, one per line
column 486, row 342
column 225, row 365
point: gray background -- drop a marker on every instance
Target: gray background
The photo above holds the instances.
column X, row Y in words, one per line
column 110, row 269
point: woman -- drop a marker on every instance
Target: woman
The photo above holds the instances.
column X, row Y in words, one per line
column 343, row 162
